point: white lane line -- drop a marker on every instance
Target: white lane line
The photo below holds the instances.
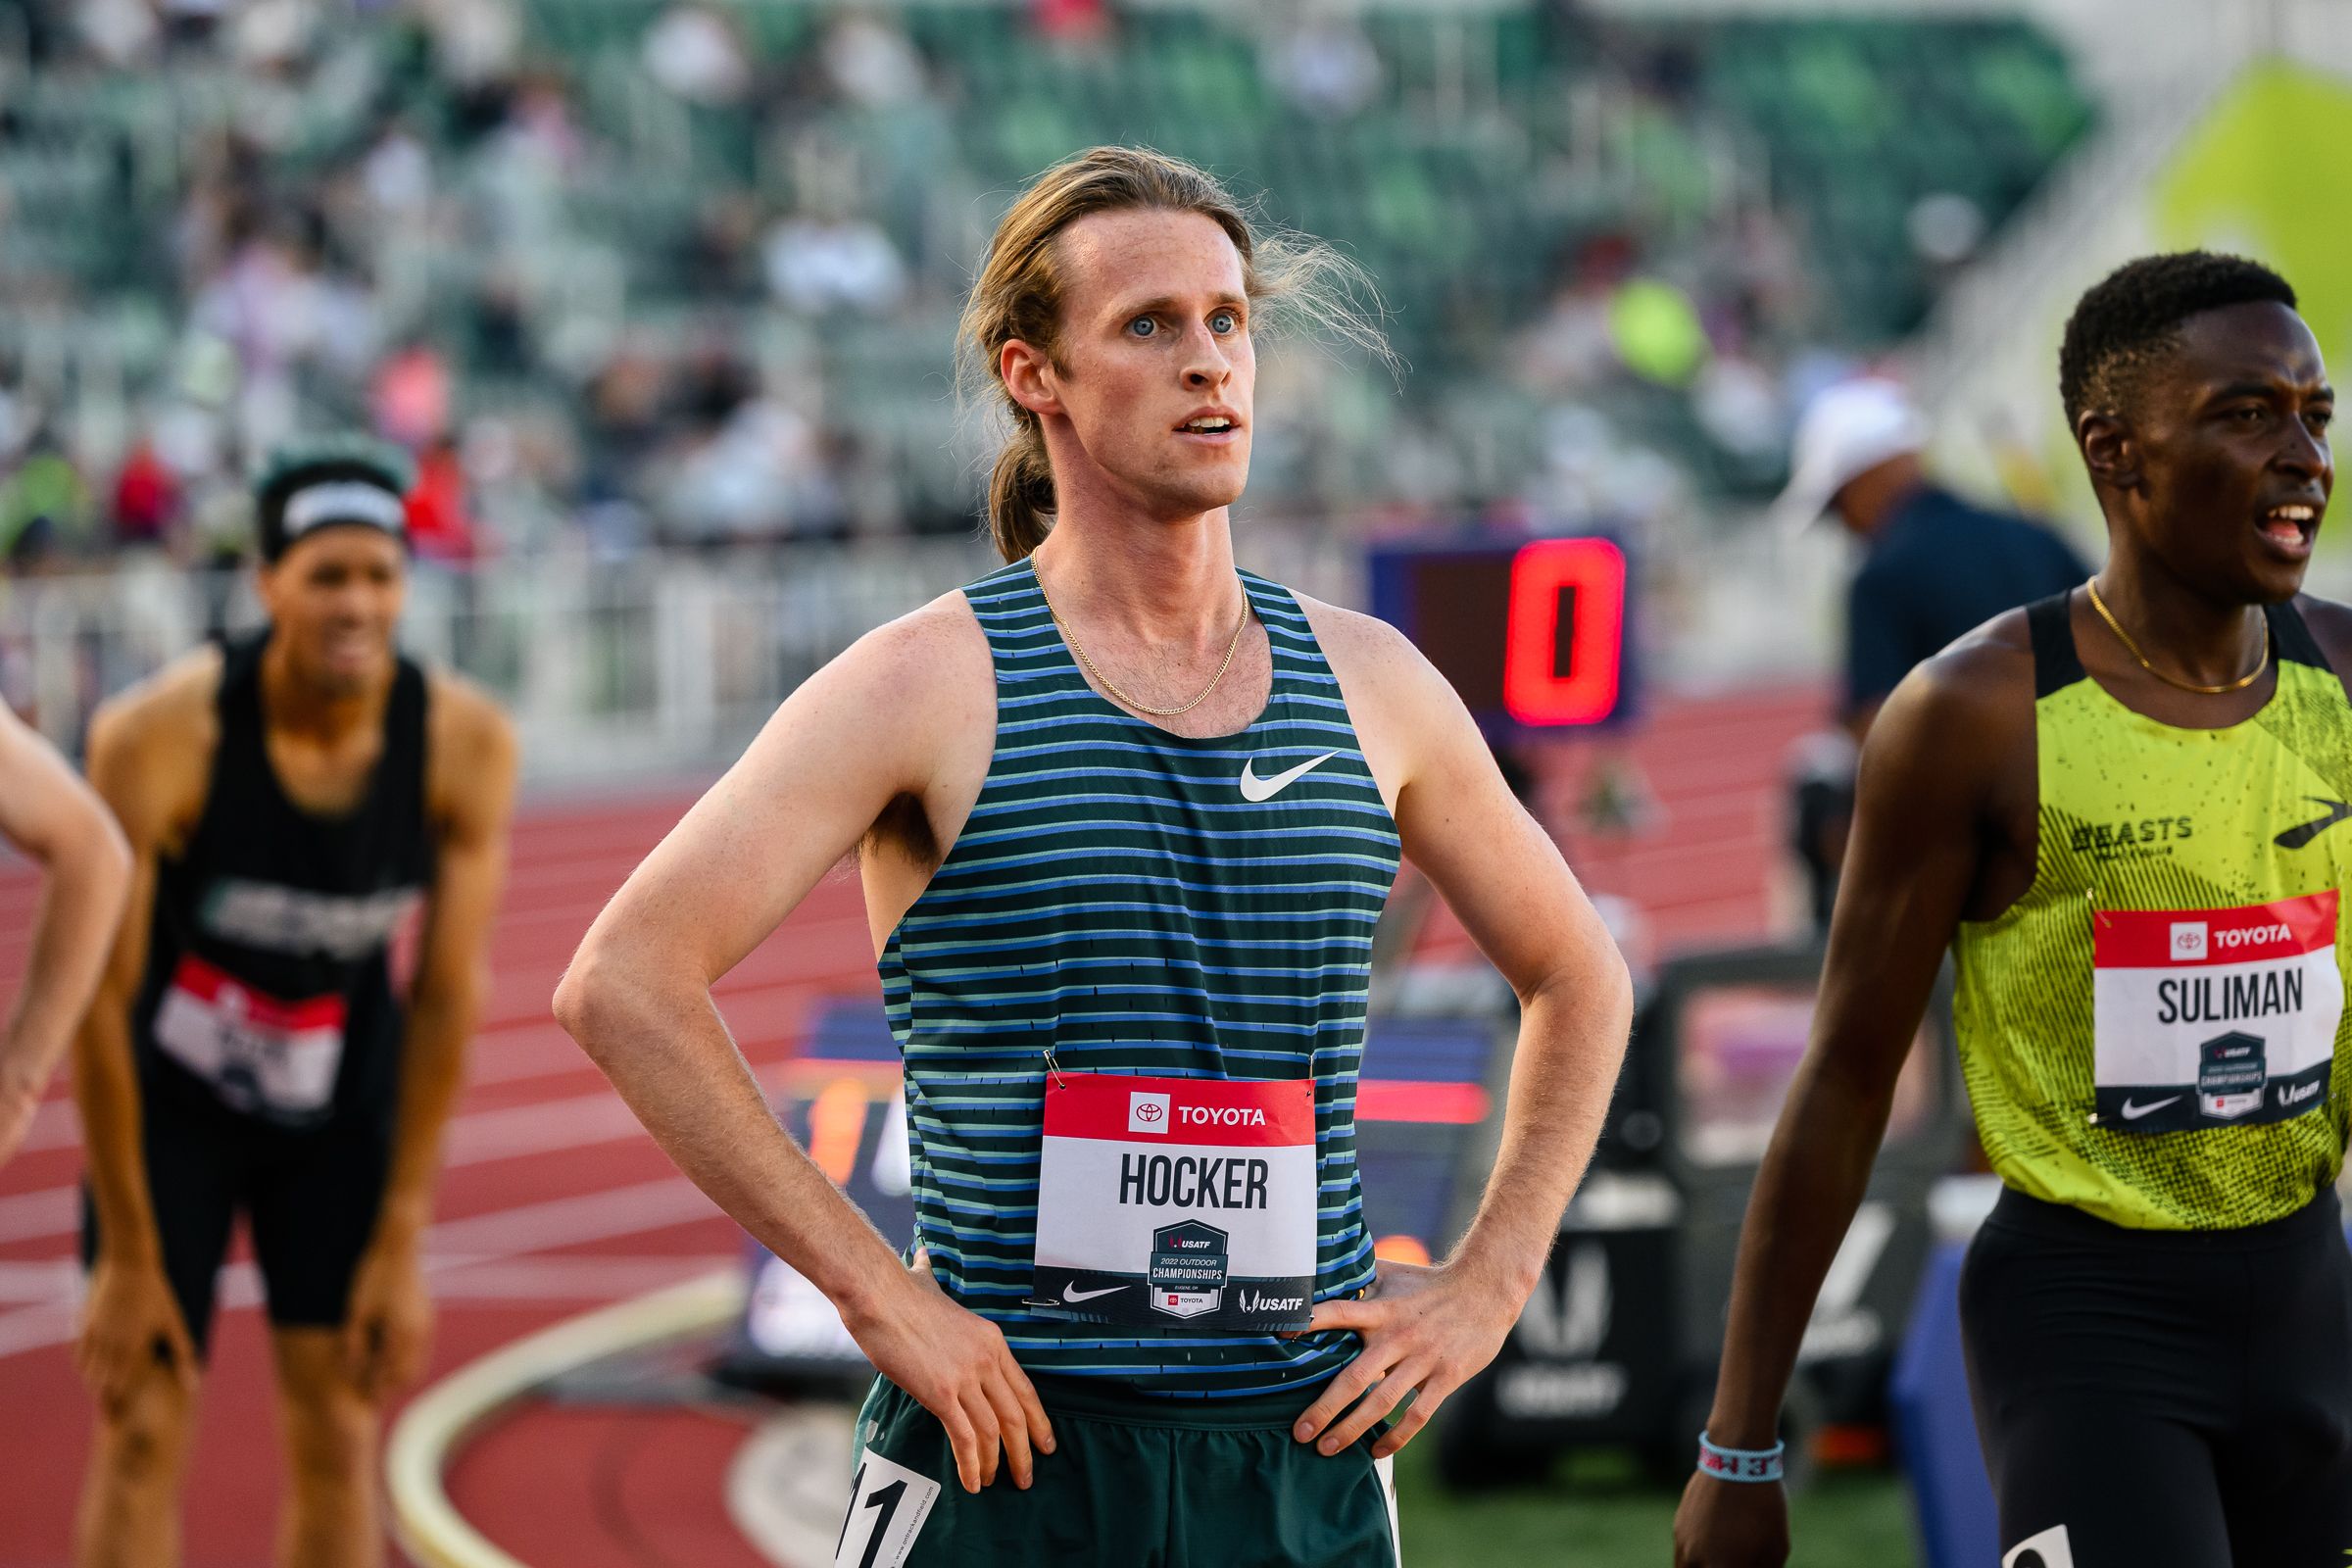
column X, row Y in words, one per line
column 495, row 1038
column 50, row 1212
column 54, row 1126
column 509, row 1055
column 426, row 1522
column 522, row 990
column 35, row 1328
column 605, row 1277
column 569, row 1279
column 538, row 1051
column 539, row 1128
column 569, row 1221
column 788, row 1483
column 45, row 1281
column 472, row 1243
column 474, row 1138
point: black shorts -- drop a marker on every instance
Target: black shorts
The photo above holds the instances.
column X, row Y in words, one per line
column 2157, row 1397
column 310, row 1198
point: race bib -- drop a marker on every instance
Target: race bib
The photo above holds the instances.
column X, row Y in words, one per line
column 888, row 1504
column 2215, row 1017
column 261, row 1056
column 2049, row 1550
column 1166, row 1202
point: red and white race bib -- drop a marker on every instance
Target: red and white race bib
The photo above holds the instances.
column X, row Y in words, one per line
column 261, row 1056
column 2215, row 1017
column 1168, row 1200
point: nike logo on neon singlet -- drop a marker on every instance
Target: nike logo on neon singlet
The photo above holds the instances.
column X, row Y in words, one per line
column 1254, row 788
column 2302, row 833
column 2132, row 1111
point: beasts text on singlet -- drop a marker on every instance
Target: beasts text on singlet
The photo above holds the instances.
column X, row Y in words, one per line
column 2155, row 1032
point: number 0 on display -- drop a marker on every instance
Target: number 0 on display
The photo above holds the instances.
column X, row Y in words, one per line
column 1575, row 587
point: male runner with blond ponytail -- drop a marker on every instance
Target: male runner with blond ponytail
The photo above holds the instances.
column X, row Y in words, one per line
column 1128, row 816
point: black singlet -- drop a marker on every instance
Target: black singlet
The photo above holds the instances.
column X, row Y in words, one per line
column 267, row 988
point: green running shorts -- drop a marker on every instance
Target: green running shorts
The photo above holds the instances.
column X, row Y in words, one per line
column 1133, row 1482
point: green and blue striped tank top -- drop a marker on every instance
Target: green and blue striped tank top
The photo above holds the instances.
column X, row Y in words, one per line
column 1115, row 898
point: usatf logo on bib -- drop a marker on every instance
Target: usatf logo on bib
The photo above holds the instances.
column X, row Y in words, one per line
column 2214, row 1017
column 1185, row 1200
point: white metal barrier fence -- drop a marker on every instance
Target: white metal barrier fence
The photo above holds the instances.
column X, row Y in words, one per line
column 657, row 664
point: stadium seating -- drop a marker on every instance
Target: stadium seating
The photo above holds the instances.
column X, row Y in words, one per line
column 1462, row 182
column 1863, row 117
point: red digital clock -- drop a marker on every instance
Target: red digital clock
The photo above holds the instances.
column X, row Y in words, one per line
column 1531, row 633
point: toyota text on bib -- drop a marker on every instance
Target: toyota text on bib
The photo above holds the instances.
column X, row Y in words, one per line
column 1177, row 1201
column 2215, row 1017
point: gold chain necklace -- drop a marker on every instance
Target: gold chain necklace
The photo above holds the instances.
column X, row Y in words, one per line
column 1103, row 681
column 2116, row 626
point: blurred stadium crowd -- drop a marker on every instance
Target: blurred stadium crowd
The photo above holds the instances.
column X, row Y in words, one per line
column 630, row 273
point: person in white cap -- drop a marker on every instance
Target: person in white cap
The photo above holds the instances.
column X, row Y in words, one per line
column 1934, row 569
column 1934, row 566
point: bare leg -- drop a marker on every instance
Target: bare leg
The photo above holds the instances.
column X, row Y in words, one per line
column 332, row 1434
column 130, row 1512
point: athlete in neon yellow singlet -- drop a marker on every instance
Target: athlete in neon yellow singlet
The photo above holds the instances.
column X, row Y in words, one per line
column 2194, row 876
column 2127, row 810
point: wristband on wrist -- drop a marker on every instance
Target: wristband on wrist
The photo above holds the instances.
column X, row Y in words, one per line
column 1740, row 1464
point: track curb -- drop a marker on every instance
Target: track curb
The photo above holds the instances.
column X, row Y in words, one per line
column 427, row 1525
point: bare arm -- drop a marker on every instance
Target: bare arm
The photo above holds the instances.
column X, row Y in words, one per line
column 1427, row 1332
column 475, row 785
column 53, row 817
column 858, row 735
column 471, row 793
column 1914, row 859
column 143, row 777
column 1915, row 855
column 148, row 759
column 637, row 995
column 1503, row 877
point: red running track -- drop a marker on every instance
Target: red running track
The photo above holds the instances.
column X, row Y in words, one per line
column 554, row 1202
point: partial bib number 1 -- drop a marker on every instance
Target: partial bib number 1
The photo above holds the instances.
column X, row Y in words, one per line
column 888, row 1504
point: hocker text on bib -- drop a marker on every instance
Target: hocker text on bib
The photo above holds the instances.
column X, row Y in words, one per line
column 1183, row 1203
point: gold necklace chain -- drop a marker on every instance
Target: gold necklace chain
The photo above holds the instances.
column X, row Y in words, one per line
column 1120, row 697
column 2116, row 628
